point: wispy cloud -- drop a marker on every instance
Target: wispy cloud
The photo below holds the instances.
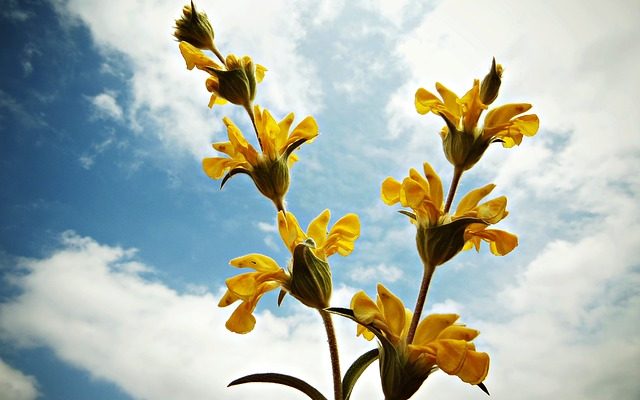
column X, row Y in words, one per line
column 14, row 385
column 106, row 106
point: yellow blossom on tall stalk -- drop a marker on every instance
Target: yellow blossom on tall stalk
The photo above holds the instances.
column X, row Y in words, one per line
column 441, row 235
column 308, row 277
column 235, row 81
column 464, row 141
column 311, row 281
column 269, row 169
column 439, row 343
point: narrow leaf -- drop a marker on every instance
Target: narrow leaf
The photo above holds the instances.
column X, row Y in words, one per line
column 355, row 370
column 484, row 388
column 282, row 379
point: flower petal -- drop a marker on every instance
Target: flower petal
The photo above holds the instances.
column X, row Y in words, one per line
column 474, row 368
column 504, row 113
column 259, row 262
column 435, row 184
column 242, row 320
column 471, row 199
column 450, row 355
column 458, row 332
column 390, row 191
column 431, row 326
column 306, row 129
column 393, row 310
column 290, row 231
column 317, row 229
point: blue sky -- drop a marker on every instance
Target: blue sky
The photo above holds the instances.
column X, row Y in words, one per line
column 114, row 245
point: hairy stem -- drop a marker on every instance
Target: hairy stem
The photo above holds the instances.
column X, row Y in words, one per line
column 457, row 174
column 215, row 51
column 422, row 296
column 333, row 351
column 252, row 116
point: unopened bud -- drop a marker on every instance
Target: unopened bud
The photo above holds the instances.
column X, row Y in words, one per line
column 194, row 27
column 272, row 179
column 491, row 84
column 310, row 277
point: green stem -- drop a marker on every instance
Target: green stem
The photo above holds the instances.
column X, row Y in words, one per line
column 333, row 351
column 215, row 51
column 422, row 296
column 457, row 174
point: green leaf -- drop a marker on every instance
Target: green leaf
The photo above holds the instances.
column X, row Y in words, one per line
column 282, row 379
column 355, row 370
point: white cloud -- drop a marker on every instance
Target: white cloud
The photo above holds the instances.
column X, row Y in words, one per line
column 106, row 106
column 14, row 385
column 97, row 313
column 376, row 273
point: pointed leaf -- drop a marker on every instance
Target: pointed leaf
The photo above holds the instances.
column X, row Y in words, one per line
column 355, row 370
column 282, row 379
column 232, row 173
column 484, row 388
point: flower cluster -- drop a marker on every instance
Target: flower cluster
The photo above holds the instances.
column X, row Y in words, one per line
column 410, row 347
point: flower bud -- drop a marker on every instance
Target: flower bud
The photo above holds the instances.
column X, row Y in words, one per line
column 194, row 27
column 491, row 84
column 438, row 244
column 237, row 84
column 272, row 179
column 310, row 277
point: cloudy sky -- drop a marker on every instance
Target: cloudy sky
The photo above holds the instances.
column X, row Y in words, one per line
column 114, row 245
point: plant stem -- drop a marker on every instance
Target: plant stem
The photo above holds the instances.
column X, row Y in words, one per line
column 217, row 53
column 457, row 174
column 422, row 296
column 333, row 351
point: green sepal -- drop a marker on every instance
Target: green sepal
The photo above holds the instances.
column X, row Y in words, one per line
column 355, row 371
column 282, row 379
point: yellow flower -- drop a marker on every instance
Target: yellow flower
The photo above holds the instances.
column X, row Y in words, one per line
column 234, row 82
column 438, row 344
column 268, row 169
column 339, row 239
column 249, row 288
column 440, row 235
column 194, row 27
column 311, row 281
column 308, row 277
column 463, row 140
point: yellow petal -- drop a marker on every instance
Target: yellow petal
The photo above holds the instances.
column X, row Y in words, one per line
column 412, row 194
column 431, row 326
column 195, row 58
column 502, row 114
column 493, row 211
column 451, row 100
column 426, row 101
column 435, row 184
column 450, row 355
column 393, row 310
column 216, row 167
column 390, row 191
column 458, row 332
column 471, row 199
column 227, row 299
column 306, row 129
column 242, row 320
column 474, row 368
column 284, row 125
column 289, row 229
column 243, row 285
column 259, row 262
column 364, row 309
column 317, row 229
column 260, row 72
column 500, row 242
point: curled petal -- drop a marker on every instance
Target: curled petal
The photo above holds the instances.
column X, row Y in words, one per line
column 451, row 100
column 317, row 229
column 259, row 262
column 431, row 326
column 390, row 191
column 364, row 309
column 502, row 114
column 500, row 242
column 242, row 320
column 306, row 129
column 474, row 368
column 450, row 355
column 194, row 57
column 493, row 211
column 458, row 332
column 435, row 184
column 471, row 199
column 393, row 309
column 290, row 231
